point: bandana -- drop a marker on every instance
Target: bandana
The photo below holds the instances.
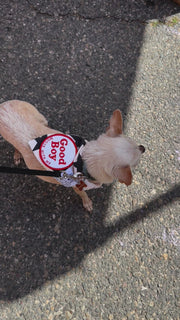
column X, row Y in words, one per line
column 64, row 152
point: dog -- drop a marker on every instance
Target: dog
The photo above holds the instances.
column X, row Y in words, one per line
column 97, row 162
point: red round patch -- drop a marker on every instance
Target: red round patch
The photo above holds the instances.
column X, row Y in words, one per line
column 58, row 151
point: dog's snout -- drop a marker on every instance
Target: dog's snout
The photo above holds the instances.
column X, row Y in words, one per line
column 141, row 148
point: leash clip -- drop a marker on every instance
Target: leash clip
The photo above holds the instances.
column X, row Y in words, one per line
column 78, row 176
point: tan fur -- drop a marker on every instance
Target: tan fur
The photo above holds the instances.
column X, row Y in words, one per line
column 107, row 158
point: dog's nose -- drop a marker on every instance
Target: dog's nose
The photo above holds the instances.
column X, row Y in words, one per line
column 141, row 148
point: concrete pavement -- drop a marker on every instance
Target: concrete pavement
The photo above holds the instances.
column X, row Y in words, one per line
column 77, row 62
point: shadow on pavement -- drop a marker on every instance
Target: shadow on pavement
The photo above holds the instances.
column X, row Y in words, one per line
column 38, row 245
column 77, row 64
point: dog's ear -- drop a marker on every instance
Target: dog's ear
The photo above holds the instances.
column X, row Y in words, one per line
column 124, row 175
column 115, row 125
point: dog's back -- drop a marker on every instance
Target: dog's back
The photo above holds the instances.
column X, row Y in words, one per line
column 19, row 120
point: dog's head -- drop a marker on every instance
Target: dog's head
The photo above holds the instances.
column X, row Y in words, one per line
column 124, row 151
column 113, row 154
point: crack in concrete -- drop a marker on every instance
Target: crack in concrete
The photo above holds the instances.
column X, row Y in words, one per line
column 83, row 17
column 38, row 11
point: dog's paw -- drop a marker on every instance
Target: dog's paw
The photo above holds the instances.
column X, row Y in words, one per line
column 17, row 157
column 87, row 203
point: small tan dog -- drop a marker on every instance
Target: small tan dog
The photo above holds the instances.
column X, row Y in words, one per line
column 109, row 157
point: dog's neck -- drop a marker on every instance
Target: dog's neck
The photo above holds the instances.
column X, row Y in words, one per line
column 93, row 156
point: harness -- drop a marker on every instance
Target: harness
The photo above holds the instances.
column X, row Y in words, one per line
column 76, row 174
column 71, row 174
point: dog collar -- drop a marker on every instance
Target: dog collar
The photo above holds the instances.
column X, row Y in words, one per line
column 80, row 165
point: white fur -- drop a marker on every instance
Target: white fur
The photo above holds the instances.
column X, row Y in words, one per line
column 106, row 153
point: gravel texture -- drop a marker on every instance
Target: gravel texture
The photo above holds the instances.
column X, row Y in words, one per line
column 77, row 61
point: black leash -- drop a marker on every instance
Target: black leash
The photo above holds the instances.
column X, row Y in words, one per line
column 30, row 172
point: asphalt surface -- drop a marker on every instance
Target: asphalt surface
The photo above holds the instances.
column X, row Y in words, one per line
column 77, row 61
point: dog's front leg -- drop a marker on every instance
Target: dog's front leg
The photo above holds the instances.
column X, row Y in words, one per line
column 17, row 157
column 87, row 203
